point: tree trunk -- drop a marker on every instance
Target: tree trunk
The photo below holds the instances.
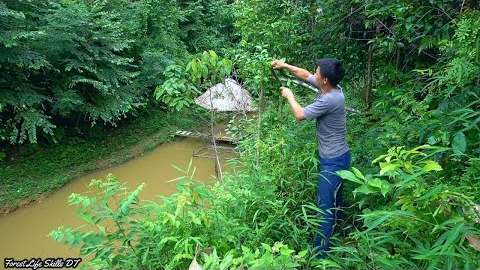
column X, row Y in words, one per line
column 368, row 91
column 397, row 65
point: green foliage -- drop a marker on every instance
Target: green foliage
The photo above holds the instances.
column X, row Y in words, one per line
column 464, row 50
column 208, row 25
column 170, row 31
column 19, row 97
column 39, row 169
column 255, row 69
column 209, row 69
column 178, row 91
column 254, row 218
column 159, row 40
column 72, row 63
column 63, row 62
column 94, row 212
column 278, row 256
column 16, row 37
column 90, row 40
column 435, row 104
column 277, row 27
column 30, row 120
column 422, row 224
column 167, row 235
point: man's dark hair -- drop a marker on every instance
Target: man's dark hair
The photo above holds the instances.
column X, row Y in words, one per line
column 331, row 69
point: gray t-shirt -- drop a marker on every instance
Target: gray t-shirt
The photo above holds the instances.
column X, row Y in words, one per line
column 329, row 113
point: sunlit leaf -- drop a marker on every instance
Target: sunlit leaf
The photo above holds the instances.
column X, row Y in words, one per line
column 432, row 166
column 376, row 182
column 348, row 175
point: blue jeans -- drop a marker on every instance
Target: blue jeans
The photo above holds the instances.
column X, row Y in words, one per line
column 329, row 197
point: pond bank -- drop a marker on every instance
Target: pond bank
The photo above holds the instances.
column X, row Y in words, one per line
column 38, row 170
column 31, row 224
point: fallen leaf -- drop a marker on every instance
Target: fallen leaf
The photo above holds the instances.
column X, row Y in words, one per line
column 473, row 241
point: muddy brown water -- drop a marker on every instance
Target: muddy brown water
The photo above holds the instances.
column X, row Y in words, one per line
column 23, row 232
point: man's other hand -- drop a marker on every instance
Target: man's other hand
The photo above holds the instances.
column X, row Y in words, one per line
column 277, row 64
column 286, row 92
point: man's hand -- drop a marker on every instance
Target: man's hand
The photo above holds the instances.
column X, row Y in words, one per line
column 296, row 71
column 286, row 92
column 277, row 64
column 296, row 108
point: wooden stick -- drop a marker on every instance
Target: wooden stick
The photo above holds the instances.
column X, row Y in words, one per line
column 259, row 127
column 280, row 99
column 218, row 167
column 297, row 82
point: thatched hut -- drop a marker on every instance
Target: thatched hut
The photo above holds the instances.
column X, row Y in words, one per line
column 226, row 97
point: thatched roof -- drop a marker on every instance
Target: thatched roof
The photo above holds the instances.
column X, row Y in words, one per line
column 226, row 97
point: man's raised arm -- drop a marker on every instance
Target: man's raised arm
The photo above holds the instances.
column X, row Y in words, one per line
column 300, row 73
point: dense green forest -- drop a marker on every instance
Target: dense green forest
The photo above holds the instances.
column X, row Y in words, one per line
column 74, row 70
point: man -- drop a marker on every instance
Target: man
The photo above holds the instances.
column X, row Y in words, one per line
column 329, row 113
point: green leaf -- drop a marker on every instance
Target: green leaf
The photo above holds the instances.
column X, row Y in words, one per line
column 328, row 264
column 448, row 222
column 378, row 159
column 145, row 255
column 431, row 166
column 348, row 175
column 376, row 182
column 86, row 218
column 358, row 173
column 389, row 167
column 432, row 192
column 385, row 188
column 266, row 247
column 302, row 253
column 204, row 70
column 213, row 54
column 366, row 189
column 459, row 142
column 70, row 239
column 373, row 219
column 178, row 106
column 196, row 221
column 432, row 140
column 287, row 252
